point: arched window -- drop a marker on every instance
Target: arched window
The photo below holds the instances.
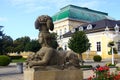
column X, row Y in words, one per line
column 60, row 31
column 89, row 26
column 73, row 30
column 80, row 28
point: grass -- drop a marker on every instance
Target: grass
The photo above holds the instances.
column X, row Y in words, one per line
column 18, row 60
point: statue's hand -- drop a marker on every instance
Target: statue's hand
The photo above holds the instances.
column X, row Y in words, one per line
column 31, row 64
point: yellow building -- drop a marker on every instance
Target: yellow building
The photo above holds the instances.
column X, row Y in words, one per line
column 71, row 18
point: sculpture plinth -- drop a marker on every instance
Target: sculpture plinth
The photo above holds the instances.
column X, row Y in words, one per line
column 38, row 74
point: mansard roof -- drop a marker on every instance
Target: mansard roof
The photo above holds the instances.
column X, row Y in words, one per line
column 97, row 26
column 80, row 13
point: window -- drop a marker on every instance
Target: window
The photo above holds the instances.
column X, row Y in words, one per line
column 65, row 47
column 73, row 30
column 98, row 46
column 60, row 31
column 89, row 26
column 80, row 28
column 65, row 30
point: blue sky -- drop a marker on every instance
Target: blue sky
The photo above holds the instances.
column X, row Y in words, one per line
column 18, row 16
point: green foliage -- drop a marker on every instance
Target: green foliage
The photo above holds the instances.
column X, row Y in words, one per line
column 86, row 66
column 111, row 64
column 20, row 43
column 4, row 60
column 54, row 43
column 18, row 60
column 79, row 42
column 114, row 51
column 33, row 46
column 110, row 44
column 5, row 44
column 97, row 58
column 15, row 57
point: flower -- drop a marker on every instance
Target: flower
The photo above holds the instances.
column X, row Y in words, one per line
column 103, row 73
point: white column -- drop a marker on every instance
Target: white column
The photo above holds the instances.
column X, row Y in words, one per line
column 112, row 56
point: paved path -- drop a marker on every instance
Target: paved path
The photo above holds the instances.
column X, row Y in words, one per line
column 11, row 73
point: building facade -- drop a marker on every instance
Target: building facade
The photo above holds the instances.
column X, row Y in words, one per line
column 71, row 18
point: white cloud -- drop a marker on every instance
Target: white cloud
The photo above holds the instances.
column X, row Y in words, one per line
column 90, row 4
column 3, row 19
column 30, row 6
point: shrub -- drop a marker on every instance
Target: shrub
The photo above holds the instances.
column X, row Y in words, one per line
column 110, row 64
column 4, row 60
column 97, row 58
column 15, row 57
column 86, row 66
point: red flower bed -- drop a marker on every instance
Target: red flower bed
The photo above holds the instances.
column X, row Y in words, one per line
column 103, row 73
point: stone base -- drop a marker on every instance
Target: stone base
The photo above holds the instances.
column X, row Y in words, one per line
column 36, row 74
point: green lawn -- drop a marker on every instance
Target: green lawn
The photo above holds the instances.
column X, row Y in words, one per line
column 18, row 60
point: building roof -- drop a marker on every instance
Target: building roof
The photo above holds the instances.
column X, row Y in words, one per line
column 80, row 13
column 97, row 26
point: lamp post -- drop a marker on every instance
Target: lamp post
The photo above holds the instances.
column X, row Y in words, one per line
column 116, row 28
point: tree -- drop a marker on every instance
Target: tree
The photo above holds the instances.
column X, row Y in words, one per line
column 79, row 43
column 20, row 43
column 1, row 35
column 111, row 44
column 33, row 46
column 7, row 44
column 1, row 32
column 54, row 43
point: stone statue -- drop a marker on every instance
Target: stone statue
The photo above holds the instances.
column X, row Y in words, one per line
column 47, row 56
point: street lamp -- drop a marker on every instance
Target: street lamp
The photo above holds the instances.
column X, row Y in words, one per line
column 116, row 28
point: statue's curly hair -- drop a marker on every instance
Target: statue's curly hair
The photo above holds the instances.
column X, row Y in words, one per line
column 46, row 20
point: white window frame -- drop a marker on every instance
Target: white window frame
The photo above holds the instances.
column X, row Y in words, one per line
column 89, row 26
column 80, row 28
column 98, row 46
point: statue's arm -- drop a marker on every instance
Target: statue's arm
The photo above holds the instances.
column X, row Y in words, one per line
column 45, row 59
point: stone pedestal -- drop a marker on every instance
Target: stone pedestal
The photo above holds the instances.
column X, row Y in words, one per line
column 37, row 74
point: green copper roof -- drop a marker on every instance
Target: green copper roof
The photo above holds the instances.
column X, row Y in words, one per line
column 80, row 13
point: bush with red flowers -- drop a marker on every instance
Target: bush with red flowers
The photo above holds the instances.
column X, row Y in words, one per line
column 103, row 73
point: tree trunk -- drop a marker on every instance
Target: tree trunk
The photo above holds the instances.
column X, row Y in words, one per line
column 81, row 59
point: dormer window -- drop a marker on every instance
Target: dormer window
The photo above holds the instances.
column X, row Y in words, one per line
column 80, row 28
column 73, row 30
column 65, row 30
column 89, row 26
